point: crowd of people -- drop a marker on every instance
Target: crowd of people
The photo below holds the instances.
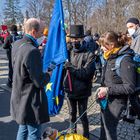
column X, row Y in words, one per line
column 115, row 55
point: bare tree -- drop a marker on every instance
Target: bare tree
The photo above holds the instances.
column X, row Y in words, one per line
column 111, row 15
column 134, row 9
column 78, row 11
column 41, row 9
column 12, row 12
column 100, row 15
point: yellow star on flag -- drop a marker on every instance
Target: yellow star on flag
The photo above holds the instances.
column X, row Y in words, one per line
column 57, row 100
column 49, row 87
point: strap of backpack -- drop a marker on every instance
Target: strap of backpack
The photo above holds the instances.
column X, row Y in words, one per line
column 118, row 63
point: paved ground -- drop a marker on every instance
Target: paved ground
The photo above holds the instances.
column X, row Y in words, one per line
column 8, row 128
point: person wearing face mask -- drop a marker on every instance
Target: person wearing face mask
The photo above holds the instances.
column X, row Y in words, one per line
column 29, row 106
column 81, row 67
column 133, row 27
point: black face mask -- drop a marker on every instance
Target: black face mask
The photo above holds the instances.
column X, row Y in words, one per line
column 76, row 44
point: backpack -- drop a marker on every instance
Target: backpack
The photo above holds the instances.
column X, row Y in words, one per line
column 133, row 103
column 136, row 60
column 14, row 38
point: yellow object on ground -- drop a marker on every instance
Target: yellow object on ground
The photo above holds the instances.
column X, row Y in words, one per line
column 72, row 137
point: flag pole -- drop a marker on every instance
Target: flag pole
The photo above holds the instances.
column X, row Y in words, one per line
column 69, row 80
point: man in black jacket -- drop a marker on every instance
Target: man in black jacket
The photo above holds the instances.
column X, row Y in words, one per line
column 81, row 68
column 90, row 42
column 29, row 106
column 8, row 46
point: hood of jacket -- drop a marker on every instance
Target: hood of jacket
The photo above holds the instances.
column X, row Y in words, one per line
column 124, row 50
column 137, row 33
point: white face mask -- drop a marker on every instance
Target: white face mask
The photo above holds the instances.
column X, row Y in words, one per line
column 131, row 31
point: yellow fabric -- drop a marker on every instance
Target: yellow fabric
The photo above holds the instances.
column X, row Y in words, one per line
column 138, row 70
column 112, row 51
column 73, row 137
column 45, row 32
column 49, row 86
column 57, row 100
column 67, row 39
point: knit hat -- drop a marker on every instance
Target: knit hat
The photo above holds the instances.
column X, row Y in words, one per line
column 96, row 37
column 4, row 27
column 133, row 20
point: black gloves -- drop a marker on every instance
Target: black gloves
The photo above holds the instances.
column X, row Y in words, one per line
column 68, row 65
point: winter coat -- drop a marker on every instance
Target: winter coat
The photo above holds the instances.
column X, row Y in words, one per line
column 136, row 41
column 120, row 87
column 81, row 73
column 28, row 100
column 90, row 44
column 8, row 41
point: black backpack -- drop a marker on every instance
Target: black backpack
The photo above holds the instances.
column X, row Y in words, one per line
column 133, row 100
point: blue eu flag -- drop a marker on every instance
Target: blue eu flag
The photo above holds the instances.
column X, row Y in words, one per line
column 55, row 54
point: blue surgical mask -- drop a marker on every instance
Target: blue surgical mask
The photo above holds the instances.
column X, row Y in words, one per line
column 131, row 31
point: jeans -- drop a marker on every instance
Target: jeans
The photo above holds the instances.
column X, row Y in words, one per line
column 29, row 132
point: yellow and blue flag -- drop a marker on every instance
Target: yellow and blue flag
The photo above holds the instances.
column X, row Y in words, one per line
column 55, row 54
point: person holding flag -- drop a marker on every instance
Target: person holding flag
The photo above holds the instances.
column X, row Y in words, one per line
column 81, row 68
column 55, row 54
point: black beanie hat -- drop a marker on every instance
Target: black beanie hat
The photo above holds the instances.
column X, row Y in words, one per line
column 133, row 20
column 13, row 28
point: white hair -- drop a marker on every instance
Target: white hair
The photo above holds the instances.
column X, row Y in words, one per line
column 32, row 23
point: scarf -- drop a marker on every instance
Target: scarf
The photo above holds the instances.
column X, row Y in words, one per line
column 110, row 52
column 34, row 40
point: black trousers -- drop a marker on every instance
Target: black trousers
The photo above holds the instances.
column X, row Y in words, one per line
column 110, row 118
column 82, row 106
column 10, row 73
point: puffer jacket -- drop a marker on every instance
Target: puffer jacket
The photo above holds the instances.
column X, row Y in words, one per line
column 136, row 41
column 81, row 72
column 9, row 40
column 91, row 44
